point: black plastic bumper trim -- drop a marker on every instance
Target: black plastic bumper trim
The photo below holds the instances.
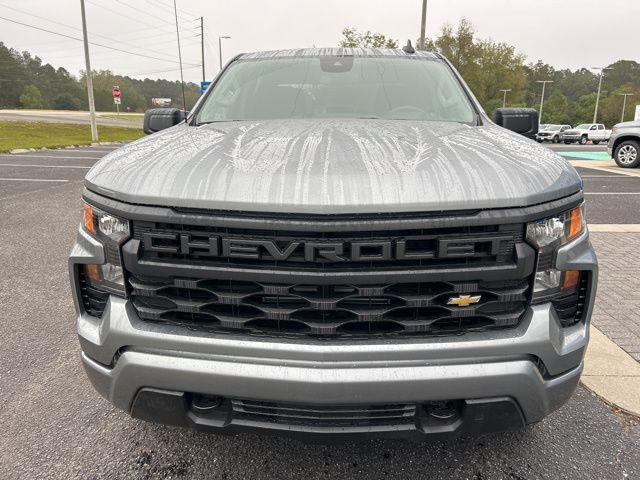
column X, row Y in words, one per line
column 476, row 416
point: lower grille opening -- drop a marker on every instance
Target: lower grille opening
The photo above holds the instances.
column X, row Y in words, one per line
column 331, row 311
column 330, row 415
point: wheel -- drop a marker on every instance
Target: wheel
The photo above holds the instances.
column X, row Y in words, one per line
column 556, row 139
column 539, row 140
column 567, row 142
column 627, row 154
column 583, row 140
column 596, row 142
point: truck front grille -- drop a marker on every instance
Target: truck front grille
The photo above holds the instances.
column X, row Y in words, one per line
column 330, row 310
column 333, row 277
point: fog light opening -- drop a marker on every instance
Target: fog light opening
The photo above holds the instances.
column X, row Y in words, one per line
column 205, row 403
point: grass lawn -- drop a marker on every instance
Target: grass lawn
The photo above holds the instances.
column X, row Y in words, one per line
column 15, row 134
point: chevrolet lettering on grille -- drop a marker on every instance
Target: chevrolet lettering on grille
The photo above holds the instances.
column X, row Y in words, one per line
column 319, row 251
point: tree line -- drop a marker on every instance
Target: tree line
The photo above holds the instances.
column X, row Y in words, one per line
column 486, row 65
column 489, row 66
column 26, row 82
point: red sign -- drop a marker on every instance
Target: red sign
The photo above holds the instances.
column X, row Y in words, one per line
column 116, row 92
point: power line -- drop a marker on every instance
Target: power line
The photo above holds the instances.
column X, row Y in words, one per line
column 77, row 29
column 119, row 13
column 170, row 7
column 92, row 43
column 147, row 13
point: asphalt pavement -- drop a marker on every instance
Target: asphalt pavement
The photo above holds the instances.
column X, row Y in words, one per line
column 54, row 425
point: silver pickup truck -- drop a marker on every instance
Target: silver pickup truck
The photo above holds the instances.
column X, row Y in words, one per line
column 624, row 144
column 334, row 242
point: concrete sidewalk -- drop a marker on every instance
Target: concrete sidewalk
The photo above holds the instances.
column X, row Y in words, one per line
column 612, row 368
column 611, row 373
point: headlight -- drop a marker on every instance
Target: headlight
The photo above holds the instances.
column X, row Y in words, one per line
column 547, row 236
column 112, row 231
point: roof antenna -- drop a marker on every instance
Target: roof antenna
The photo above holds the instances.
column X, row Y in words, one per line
column 407, row 48
column 184, row 100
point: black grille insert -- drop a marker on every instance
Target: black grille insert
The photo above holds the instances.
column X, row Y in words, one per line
column 475, row 246
column 330, row 310
column 334, row 416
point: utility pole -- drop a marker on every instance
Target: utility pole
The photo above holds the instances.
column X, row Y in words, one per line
column 595, row 111
column 423, row 25
column 544, row 84
column 220, row 48
column 504, row 97
column 92, row 105
column 202, row 46
column 624, row 103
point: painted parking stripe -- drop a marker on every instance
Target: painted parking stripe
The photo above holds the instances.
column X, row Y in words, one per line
column 31, row 180
column 612, row 193
column 6, row 157
column 41, row 166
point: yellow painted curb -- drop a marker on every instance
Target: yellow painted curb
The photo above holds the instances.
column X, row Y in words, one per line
column 611, row 373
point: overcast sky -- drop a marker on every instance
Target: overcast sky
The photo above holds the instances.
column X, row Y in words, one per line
column 564, row 33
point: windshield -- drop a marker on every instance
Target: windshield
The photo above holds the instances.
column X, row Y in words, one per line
column 583, row 126
column 337, row 87
column 552, row 127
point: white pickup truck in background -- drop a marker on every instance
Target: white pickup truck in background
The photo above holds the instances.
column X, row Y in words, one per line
column 595, row 132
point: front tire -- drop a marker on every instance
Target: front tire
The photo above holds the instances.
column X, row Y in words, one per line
column 556, row 139
column 627, row 154
column 583, row 140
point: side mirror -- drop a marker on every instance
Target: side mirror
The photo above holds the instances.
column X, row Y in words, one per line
column 520, row 120
column 157, row 119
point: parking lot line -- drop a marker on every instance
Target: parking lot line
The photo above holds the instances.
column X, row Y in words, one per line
column 49, row 156
column 31, row 180
column 41, row 166
column 612, row 193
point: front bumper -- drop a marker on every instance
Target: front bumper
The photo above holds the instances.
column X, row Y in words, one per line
column 149, row 370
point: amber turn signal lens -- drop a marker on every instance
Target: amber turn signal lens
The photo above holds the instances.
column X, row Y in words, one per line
column 88, row 219
column 571, row 278
column 92, row 271
column 575, row 223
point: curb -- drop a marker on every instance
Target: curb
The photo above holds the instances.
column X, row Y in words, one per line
column 611, row 373
column 66, row 147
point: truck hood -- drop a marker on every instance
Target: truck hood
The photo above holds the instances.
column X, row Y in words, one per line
column 334, row 166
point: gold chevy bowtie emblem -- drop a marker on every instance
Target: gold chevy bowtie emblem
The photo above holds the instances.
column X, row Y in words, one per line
column 464, row 300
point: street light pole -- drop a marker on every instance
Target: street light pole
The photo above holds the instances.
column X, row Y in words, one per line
column 92, row 105
column 624, row 103
column 544, row 84
column 220, row 48
column 423, row 25
column 595, row 111
column 504, row 97
column 202, row 47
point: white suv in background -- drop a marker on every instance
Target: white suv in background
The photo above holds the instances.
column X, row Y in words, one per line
column 596, row 132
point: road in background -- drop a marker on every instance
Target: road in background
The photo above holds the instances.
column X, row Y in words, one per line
column 64, row 116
